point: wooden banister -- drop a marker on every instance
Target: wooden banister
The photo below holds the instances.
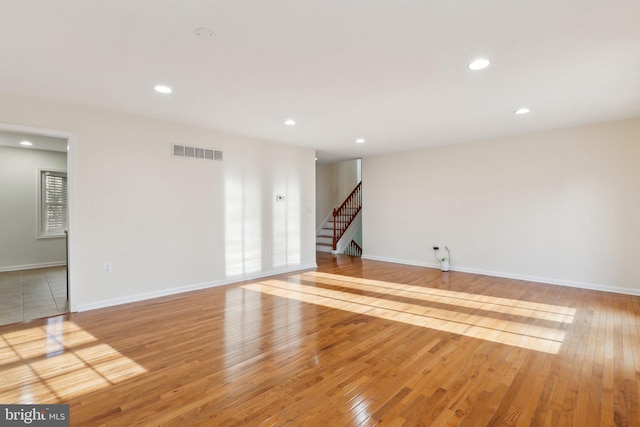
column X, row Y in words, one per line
column 343, row 216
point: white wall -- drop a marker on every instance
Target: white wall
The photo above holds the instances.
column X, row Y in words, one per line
column 19, row 244
column 346, row 174
column 560, row 207
column 325, row 192
column 169, row 224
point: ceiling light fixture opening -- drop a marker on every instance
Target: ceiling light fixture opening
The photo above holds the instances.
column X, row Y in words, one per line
column 360, row 141
column 520, row 111
column 479, row 64
column 289, row 122
column 26, row 143
column 163, row 89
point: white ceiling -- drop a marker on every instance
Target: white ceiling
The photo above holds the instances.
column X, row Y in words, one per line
column 392, row 72
column 39, row 142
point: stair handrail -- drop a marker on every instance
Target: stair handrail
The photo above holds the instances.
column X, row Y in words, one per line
column 343, row 215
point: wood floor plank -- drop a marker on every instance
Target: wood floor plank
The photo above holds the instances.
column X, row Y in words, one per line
column 354, row 342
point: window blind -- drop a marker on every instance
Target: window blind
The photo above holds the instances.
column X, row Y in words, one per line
column 54, row 203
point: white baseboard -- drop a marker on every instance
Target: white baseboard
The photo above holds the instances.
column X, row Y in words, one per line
column 546, row 280
column 33, row 266
column 194, row 287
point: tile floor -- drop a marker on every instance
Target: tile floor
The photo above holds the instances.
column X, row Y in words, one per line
column 31, row 294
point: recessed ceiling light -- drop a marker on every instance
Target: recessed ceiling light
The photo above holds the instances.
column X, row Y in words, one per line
column 290, row 122
column 27, row 143
column 360, row 141
column 522, row 110
column 479, row 64
column 163, row 89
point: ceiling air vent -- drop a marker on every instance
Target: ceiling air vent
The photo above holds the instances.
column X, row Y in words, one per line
column 196, row 152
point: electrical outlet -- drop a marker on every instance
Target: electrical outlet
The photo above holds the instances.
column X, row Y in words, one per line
column 108, row 267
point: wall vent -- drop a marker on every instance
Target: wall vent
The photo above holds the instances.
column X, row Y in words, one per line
column 190, row 152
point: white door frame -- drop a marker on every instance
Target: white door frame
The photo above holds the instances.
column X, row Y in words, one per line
column 71, row 257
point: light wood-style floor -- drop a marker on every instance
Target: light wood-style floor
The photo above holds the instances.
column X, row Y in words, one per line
column 356, row 342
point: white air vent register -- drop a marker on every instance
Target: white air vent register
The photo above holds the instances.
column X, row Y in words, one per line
column 190, row 152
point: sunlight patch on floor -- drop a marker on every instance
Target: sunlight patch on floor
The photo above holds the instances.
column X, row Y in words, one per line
column 521, row 334
column 58, row 361
column 556, row 313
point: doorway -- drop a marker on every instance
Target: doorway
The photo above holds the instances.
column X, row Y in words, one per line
column 34, row 212
column 335, row 183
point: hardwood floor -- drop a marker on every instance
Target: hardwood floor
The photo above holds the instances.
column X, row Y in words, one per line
column 356, row 342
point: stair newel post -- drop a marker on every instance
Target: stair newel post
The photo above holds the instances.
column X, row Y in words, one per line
column 335, row 231
column 341, row 227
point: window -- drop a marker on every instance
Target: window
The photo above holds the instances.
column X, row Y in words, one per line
column 53, row 203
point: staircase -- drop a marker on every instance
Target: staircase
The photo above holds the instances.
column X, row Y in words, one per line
column 324, row 237
column 330, row 234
